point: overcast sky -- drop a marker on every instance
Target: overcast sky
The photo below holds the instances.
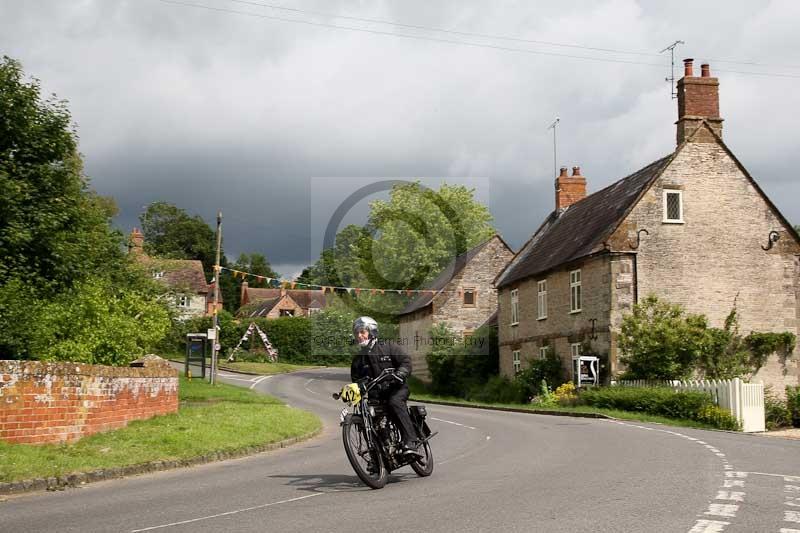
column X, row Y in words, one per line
column 277, row 122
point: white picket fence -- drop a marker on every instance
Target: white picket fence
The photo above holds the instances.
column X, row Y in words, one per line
column 745, row 401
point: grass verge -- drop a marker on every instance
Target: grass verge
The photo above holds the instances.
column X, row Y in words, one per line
column 210, row 419
column 264, row 368
column 613, row 413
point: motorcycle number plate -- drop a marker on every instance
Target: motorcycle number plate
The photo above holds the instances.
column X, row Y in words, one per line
column 343, row 414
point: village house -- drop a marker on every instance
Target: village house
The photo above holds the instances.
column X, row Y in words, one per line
column 692, row 228
column 275, row 303
column 193, row 296
column 464, row 300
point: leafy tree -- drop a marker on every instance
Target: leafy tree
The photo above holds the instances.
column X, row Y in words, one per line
column 170, row 232
column 54, row 231
column 659, row 341
column 797, row 228
column 67, row 290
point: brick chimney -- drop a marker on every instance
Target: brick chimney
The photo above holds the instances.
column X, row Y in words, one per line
column 136, row 243
column 569, row 189
column 698, row 99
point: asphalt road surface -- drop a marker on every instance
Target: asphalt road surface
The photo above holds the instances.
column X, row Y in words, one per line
column 494, row 472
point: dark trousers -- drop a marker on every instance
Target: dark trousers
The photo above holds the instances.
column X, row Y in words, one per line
column 396, row 400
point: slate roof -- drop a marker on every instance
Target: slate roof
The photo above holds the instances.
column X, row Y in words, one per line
column 452, row 269
column 582, row 228
column 491, row 321
column 304, row 298
column 259, row 308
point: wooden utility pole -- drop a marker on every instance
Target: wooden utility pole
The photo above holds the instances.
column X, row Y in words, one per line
column 216, row 301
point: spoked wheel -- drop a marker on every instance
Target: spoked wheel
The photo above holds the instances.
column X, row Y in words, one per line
column 368, row 464
column 424, row 465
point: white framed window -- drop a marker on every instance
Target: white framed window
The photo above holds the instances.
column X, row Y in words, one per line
column 158, row 274
column 541, row 292
column 575, row 291
column 184, row 301
column 313, row 310
column 673, row 206
column 575, row 349
column 514, row 306
column 543, row 351
column 516, row 360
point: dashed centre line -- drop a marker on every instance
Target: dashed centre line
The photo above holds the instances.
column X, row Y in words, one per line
column 451, row 422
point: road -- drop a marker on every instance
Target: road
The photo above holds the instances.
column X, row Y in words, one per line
column 494, row 471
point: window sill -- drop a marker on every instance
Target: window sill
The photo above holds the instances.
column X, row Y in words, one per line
column 575, row 312
column 541, row 318
column 514, row 324
column 673, row 222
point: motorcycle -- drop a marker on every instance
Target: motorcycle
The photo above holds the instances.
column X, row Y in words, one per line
column 372, row 440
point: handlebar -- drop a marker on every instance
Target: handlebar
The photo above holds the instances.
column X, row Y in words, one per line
column 371, row 384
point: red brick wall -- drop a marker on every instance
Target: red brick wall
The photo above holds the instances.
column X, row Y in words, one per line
column 62, row 402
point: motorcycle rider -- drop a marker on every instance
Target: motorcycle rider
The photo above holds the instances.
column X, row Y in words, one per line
column 376, row 355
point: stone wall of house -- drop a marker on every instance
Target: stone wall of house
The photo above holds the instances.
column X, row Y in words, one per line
column 62, row 402
column 448, row 307
column 286, row 303
column 561, row 328
column 196, row 307
column 715, row 258
column 413, row 332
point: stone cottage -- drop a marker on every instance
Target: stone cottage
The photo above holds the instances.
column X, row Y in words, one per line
column 693, row 228
column 275, row 303
column 193, row 296
column 464, row 299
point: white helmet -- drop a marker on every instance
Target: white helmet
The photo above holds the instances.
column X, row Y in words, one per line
column 365, row 323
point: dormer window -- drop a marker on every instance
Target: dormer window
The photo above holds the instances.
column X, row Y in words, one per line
column 673, row 206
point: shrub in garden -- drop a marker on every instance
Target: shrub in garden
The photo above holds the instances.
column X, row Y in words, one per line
column 660, row 401
column 538, row 370
column 776, row 411
column 498, row 389
column 566, row 394
column 793, row 404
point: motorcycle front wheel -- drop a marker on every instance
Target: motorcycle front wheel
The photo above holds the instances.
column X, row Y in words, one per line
column 424, row 465
column 367, row 463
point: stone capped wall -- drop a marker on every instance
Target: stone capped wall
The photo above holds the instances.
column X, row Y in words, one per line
column 62, row 402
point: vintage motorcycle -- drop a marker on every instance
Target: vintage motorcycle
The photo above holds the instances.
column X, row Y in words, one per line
column 372, row 441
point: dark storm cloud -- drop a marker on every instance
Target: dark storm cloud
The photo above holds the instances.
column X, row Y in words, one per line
column 215, row 110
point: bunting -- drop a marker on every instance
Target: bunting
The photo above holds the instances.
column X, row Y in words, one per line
column 292, row 284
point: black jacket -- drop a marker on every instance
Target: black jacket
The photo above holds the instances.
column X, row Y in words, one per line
column 369, row 362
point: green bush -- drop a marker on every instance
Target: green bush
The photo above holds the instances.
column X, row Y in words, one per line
column 538, row 370
column 291, row 336
column 331, row 337
column 498, row 389
column 776, row 411
column 459, row 368
column 793, row 404
column 660, row 401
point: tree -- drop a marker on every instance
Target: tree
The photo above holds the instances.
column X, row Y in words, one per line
column 231, row 287
column 659, row 341
column 797, row 228
column 170, row 232
column 54, row 231
column 67, row 290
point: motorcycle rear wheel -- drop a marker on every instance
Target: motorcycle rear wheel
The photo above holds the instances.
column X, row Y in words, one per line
column 367, row 463
column 424, row 465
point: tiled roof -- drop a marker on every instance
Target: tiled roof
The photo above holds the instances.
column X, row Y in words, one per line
column 259, row 308
column 304, row 298
column 440, row 282
column 179, row 274
column 581, row 229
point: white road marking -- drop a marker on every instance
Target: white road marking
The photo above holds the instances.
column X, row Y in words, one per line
column 791, row 516
column 708, row 526
column 307, row 383
column 730, row 495
column 730, row 483
column 787, row 530
column 790, row 503
column 736, row 474
column 227, row 513
column 791, row 488
column 451, row 422
column 256, row 381
column 722, row 509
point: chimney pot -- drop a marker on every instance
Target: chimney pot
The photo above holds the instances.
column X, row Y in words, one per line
column 563, row 172
column 705, row 70
column 688, row 71
column 576, row 171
